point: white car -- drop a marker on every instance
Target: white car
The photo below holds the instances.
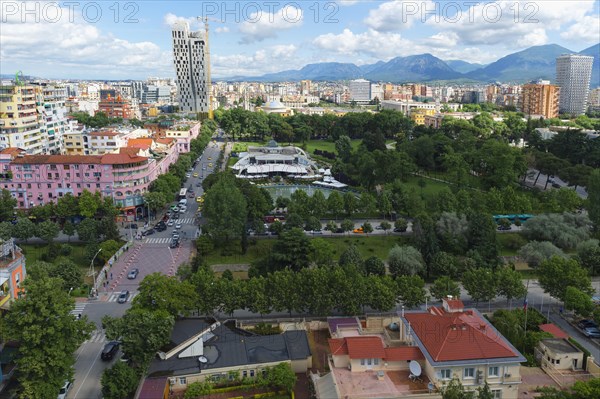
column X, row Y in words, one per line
column 188, row 175
column 183, row 209
column 62, row 394
column 170, row 223
column 178, row 226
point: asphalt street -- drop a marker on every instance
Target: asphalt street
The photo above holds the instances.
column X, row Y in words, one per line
column 150, row 254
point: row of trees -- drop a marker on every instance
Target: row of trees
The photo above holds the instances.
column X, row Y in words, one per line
column 165, row 188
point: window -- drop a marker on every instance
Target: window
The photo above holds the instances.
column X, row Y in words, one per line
column 497, row 393
column 445, row 374
column 493, row 371
column 557, row 361
column 469, row 372
column 251, row 373
column 244, row 373
column 362, row 362
column 182, row 381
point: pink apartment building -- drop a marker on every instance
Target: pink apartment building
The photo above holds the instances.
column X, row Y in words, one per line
column 125, row 176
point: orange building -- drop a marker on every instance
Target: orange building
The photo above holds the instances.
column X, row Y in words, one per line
column 12, row 272
column 114, row 105
column 540, row 99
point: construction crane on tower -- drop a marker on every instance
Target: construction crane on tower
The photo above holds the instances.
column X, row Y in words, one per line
column 209, row 78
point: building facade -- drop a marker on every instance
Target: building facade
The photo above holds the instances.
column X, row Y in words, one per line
column 360, row 91
column 190, row 56
column 540, row 99
column 12, row 272
column 21, row 125
column 114, row 105
column 573, row 74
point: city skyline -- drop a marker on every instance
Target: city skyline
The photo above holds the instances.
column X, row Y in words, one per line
column 132, row 40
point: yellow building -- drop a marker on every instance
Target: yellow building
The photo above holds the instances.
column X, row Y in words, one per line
column 418, row 115
column 540, row 99
column 20, row 122
column 153, row 112
column 74, row 144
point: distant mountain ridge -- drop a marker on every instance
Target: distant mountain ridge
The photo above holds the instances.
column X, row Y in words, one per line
column 537, row 62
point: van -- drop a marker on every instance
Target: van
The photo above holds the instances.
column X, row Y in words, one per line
column 183, row 201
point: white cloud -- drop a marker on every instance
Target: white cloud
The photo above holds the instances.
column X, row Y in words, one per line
column 373, row 43
column 587, row 30
column 347, row 3
column 170, row 19
column 76, row 48
column 510, row 23
column 398, row 15
column 271, row 59
column 222, row 29
column 259, row 25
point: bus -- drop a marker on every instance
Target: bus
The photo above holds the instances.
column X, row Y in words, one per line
column 183, row 193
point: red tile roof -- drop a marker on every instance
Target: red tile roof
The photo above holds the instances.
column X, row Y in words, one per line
column 458, row 336
column 455, row 304
column 554, row 330
column 153, row 388
column 139, row 143
column 106, row 159
column 403, row 353
column 365, row 347
column 337, row 346
column 101, row 133
column 12, row 150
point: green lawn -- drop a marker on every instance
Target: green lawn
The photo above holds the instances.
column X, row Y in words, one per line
column 432, row 187
column 368, row 246
column 34, row 252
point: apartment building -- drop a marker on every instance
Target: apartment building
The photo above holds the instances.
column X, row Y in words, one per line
column 21, row 125
column 540, row 99
column 53, row 111
column 573, row 74
column 114, row 105
column 418, row 115
column 183, row 135
column 12, row 272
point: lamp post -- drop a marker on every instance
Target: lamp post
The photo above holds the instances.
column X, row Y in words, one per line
column 93, row 274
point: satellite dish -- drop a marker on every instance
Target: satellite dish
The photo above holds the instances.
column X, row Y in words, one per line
column 203, row 359
column 415, row 368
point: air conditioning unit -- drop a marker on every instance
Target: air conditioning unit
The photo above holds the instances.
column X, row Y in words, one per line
column 172, row 381
column 507, row 375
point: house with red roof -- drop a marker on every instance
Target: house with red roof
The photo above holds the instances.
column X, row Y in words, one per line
column 460, row 343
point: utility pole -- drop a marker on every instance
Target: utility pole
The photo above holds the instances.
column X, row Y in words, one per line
column 94, row 292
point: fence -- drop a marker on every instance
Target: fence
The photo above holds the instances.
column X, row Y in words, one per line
column 108, row 265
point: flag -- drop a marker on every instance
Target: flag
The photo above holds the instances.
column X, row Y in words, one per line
column 525, row 304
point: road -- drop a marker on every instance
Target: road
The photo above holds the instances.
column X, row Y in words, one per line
column 150, row 254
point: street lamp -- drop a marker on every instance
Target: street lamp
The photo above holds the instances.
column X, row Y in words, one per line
column 93, row 274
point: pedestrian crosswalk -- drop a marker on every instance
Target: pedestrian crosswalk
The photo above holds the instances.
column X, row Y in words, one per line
column 164, row 240
column 79, row 306
column 184, row 221
column 114, row 296
column 97, row 336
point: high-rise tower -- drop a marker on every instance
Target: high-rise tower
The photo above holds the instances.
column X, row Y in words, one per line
column 190, row 56
column 573, row 73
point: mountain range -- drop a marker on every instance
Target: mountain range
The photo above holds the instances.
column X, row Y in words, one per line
column 538, row 62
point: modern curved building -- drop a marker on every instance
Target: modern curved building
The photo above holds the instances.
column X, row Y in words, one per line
column 274, row 160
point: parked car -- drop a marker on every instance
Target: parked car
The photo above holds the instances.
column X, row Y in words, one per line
column 339, row 230
column 176, row 236
column 592, row 332
column 178, row 226
column 196, row 174
column 504, row 228
column 188, row 175
column 170, row 223
column 123, row 296
column 176, row 216
column 174, row 243
column 64, row 390
column 132, row 226
column 110, row 350
column 359, row 230
column 176, row 209
column 148, row 232
column 583, row 324
column 133, row 274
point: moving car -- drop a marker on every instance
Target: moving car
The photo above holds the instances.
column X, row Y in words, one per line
column 176, row 236
column 196, row 174
column 188, row 175
column 123, row 296
column 210, row 158
column 210, row 165
column 199, row 199
column 174, row 243
column 359, row 230
column 62, row 394
column 178, row 226
column 170, row 223
column 133, row 274
column 148, row 232
column 110, row 349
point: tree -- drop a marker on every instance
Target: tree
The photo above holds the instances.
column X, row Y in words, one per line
column 48, row 334
column 142, row 333
column 160, row 292
column 6, row 229
column 455, row 390
column 24, row 229
column 292, row 249
column 331, row 226
column 119, row 381
column 109, row 248
column 321, row 252
column 480, row 283
column 312, row 224
column 535, row 252
column 443, row 287
column 343, row 147
column 382, row 293
column 88, row 204
column 351, row 256
column 385, row 226
column 281, row 288
column 7, row 205
column 281, row 376
column 367, row 228
column 588, row 253
column 411, row 290
column 401, row 225
column 347, row 225
column 197, row 389
column 563, row 230
column 155, row 200
column 87, row 230
column 578, row 301
column 482, row 237
column 374, row 266
column 509, row 284
column 335, row 204
column 593, row 200
column 225, row 209
column 405, row 261
column 69, row 230
column 349, row 203
column 445, row 264
column 556, row 274
column 68, row 272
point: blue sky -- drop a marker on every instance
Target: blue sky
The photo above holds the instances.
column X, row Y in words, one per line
column 92, row 40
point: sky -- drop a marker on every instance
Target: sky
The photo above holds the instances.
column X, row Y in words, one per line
column 131, row 39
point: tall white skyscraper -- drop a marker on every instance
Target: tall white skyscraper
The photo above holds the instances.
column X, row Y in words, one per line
column 573, row 73
column 190, row 56
column 360, row 90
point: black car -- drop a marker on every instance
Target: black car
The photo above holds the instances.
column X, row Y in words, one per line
column 174, row 243
column 148, row 232
column 583, row 324
column 132, row 226
column 110, row 349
